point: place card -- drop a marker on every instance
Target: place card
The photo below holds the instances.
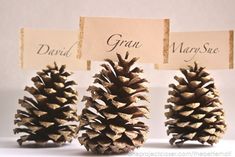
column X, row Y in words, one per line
column 103, row 37
column 40, row 47
column 212, row 49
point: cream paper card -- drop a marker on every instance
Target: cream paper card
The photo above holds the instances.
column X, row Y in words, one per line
column 213, row 50
column 103, row 37
column 39, row 47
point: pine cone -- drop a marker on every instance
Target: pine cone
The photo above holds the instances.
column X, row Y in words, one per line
column 53, row 105
column 195, row 111
column 110, row 122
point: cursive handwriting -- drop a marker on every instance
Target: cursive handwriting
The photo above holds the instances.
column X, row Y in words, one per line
column 115, row 40
column 45, row 49
column 181, row 48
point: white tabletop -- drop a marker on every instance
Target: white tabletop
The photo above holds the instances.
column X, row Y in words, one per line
column 153, row 147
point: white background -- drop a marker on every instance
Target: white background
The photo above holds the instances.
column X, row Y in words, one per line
column 185, row 15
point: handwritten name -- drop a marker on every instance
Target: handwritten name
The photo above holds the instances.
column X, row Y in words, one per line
column 45, row 49
column 116, row 40
column 181, row 48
